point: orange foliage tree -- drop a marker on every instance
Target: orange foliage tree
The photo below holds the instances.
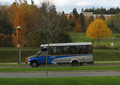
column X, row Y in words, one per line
column 73, row 18
column 78, row 26
column 98, row 29
column 19, row 14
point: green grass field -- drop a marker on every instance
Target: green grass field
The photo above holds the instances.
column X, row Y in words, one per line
column 107, row 80
column 80, row 68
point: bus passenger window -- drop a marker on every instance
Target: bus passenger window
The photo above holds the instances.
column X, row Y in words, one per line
column 54, row 51
column 90, row 49
column 66, row 50
column 72, row 50
column 79, row 49
column 85, row 50
column 60, row 50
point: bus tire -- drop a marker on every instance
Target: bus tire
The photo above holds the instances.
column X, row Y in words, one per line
column 34, row 64
column 75, row 63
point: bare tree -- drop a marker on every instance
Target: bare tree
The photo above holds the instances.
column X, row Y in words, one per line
column 50, row 24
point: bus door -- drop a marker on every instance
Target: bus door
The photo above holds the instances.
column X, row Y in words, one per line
column 53, row 55
column 87, row 50
column 42, row 56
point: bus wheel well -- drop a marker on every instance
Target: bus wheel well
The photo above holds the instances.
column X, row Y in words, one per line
column 34, row 63
column 74, row 63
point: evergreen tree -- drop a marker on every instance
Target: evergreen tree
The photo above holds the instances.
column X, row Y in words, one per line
column 75, row 13
column 82, row 20
column 63, row 15
column 88, row 22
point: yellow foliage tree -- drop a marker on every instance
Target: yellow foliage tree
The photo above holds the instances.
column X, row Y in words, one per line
column 19, row 14
column 98, row 29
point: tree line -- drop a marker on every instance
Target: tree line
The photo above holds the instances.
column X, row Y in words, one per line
column 102, row 10
column 43, row 21
column 41, row 24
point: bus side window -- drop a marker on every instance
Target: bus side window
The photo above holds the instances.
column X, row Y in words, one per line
column 66, row 50
column 50, row 50
column 79, row 49
column 90, row 49
column 85, row 49
column 54, row 50
column 60, row 50
column 72, row 50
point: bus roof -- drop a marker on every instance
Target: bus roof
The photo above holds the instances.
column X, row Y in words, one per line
column 66, row 44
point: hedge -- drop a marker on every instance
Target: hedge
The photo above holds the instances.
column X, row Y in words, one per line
column 12, row 56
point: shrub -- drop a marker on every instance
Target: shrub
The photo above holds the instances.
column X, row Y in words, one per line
column 65, row 38
column 5, row 40
column 117, row 36
column 34, row 39
column 11, row 56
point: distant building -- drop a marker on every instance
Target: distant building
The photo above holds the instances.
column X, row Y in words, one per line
column 97, row 16
column 88, row 14
column 68, row 15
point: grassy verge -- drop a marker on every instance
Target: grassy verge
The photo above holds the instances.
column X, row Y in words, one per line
column 62, row 81
column 60, row 68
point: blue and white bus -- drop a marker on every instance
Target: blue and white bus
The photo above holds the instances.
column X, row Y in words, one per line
column 63, row 53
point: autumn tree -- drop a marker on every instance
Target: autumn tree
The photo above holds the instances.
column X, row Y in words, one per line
column 77, row 25
column 98, row 29
column 77, row 28
column 73, row 18
column 19, row 14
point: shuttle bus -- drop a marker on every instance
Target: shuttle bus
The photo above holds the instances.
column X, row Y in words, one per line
column 63, row 53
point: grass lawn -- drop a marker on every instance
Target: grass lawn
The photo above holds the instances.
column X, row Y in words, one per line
column 80, row 68
column 107, row 80
column 81, row 37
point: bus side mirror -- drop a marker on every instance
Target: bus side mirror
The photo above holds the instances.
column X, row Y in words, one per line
column 37, row 55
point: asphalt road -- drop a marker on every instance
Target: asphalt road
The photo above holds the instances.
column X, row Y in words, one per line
column 58, row 74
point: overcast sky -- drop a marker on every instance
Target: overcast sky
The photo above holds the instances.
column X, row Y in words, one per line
column 68, row 5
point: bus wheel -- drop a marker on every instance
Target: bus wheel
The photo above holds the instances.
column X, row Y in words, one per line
column 74, row 63
column 34, row 64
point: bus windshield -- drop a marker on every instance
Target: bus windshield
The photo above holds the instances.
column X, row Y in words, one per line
column 42, row 52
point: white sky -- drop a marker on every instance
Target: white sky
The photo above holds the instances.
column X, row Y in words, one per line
column 68, row 5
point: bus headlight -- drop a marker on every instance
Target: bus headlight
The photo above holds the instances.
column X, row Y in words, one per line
column 28, row 59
